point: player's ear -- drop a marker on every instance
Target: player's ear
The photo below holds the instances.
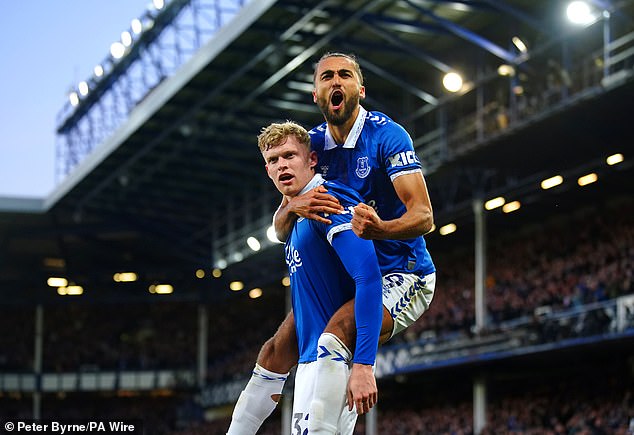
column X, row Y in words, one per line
column 362, row 92
column 266, row 167
column 312, row 159
column 314, row 95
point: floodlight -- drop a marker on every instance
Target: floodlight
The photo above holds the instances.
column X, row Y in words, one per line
column 494, row 203
column 236, row 286
column 255, row 293
column 253, row 243
column 126, row 38
column 579, row 12
column 447, row 229
column 511, row 206
column 506, row 70
column 614, row 159
column 117, row 50
column 162, row 289
column 83, row 88
column 137, row 26
column 270, row 234
column 57, row 282
column 587, row 179
column 98, row 70
column 452, row 81
column 517, row 42
column 552, row 182
column 74, row 98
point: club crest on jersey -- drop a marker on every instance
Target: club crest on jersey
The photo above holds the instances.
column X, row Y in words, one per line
column 363, row 167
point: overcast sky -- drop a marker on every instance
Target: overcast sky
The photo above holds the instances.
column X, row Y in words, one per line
column 47, row 48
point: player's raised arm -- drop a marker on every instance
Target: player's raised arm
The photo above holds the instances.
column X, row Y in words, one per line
column 307, row 205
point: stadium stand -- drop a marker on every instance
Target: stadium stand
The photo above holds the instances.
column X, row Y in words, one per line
column 171, row 185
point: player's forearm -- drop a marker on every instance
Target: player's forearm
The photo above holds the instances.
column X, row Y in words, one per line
column 283, row 220
column 412, row 223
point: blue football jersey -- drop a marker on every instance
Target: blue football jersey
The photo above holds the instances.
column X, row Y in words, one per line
column 329, row 265
column 376, row 151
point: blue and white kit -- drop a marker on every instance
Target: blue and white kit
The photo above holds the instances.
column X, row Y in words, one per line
column 376, row 152
column 321, row 282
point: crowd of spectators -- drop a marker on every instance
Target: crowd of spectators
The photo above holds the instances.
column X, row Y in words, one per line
column 569, row 261
column 565, row 263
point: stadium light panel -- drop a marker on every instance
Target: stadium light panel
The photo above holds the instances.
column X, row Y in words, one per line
column 452, row 81
column 136, row 26
column 236, row 286
column 222, row 263
column 494, row 203
column 74, row 290
column 83, row 88
column 614, row 159
column 587, row 179
column 551, row 182
column 125, row 277
column 71, row 290
column 270, row 234
column 510, row 207
column 579, row 12
column 117, row 50
column 447, row 229
column 517, row 42
column 98, row 71
column 200, row 273
column 161, row 289
column 255, row 293
column 237, row 256
column 57, row 282
column 73, row 97
column 126, row 38
column 253, row 243
column 216, row 273
column 506, row 70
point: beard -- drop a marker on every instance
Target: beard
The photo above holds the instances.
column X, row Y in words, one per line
column 343, row 114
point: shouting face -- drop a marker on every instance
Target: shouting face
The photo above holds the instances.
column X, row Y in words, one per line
column 338, row 89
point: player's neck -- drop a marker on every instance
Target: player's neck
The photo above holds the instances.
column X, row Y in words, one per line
column 340, row 133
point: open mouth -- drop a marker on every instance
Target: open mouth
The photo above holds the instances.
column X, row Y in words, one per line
column 336, row 99
column 285, row 177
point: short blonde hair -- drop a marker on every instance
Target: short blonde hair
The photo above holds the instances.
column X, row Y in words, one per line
column 276, row 133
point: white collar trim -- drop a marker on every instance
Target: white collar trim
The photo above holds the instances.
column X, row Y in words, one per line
column 317, row 180
column 351, row 140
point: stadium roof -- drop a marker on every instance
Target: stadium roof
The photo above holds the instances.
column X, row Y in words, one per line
column 181, row 185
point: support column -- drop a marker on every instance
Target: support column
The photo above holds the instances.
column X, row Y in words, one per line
column 37, row 362
column 479, row 403
column 203, row 334
column 371, row 422
column 480, row 265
